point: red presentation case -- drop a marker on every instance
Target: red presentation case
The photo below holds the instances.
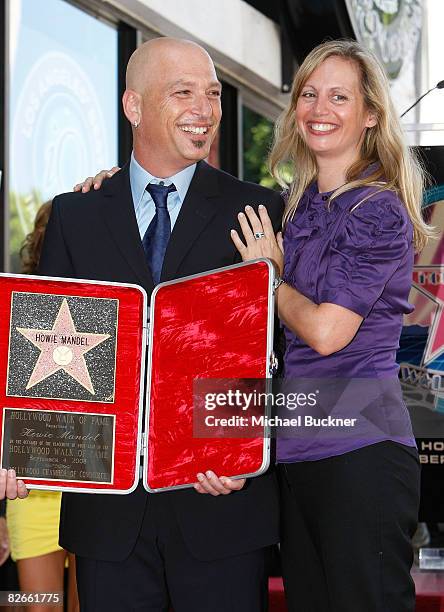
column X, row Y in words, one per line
column 72, row 377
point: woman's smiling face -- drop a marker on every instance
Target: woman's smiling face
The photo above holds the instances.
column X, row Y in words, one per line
column 330, row 112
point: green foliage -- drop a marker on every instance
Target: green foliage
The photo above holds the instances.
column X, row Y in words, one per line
column 257, row 141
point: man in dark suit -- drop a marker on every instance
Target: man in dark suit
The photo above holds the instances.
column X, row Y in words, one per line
column 166, row 215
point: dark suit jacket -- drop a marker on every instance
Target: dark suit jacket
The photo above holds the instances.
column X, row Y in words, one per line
column 95, row 236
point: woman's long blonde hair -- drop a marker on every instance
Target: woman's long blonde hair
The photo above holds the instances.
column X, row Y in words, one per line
column 398, row 169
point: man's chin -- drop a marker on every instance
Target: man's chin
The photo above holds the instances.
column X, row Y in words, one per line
column 199, row 144
column 198, row 152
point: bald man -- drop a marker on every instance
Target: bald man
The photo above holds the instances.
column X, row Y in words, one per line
column 166, row 215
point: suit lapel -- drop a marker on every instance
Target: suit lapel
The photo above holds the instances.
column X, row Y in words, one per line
column 198, row 208
column 119, row 216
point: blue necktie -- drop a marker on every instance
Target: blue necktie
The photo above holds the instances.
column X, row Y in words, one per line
column 155, row 240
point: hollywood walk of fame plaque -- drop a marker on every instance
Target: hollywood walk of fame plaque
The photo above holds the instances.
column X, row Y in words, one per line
column 72, row 368
column 62, row 347
column 68, row 446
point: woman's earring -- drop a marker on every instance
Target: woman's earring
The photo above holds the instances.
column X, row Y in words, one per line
column 135, row 124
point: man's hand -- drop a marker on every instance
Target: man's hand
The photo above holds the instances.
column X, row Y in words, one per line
column 4, row 540
column 10, row 487
column 210, row 483
column 95, row 181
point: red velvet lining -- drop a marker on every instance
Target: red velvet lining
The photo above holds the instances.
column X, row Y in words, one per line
column 206, row 327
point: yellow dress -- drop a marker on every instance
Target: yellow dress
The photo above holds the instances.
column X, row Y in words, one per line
column 33, row 524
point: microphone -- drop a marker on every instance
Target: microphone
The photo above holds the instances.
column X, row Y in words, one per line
column 439, row 85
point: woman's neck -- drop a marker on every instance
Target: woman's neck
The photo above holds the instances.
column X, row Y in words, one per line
column 332, row 172
column 330, row 179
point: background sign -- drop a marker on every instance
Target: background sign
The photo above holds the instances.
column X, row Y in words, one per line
column 421, row 353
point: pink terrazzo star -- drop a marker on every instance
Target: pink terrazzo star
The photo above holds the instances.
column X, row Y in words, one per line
column 62, row 348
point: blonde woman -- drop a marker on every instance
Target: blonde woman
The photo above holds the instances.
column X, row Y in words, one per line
column 349, row 496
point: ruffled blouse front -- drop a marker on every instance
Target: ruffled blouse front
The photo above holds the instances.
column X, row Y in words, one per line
column 356, row 252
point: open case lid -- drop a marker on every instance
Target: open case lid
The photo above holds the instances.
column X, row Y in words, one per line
column 216, row 325
column 72, row 357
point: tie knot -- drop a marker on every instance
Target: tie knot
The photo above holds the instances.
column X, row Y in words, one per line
column 159, row 193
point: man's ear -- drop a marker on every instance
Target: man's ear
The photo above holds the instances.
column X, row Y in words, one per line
column 132, row 107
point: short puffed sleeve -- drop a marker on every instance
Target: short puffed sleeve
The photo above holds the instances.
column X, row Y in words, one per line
column 371, row 245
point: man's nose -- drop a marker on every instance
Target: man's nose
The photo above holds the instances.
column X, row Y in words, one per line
column 202, row 106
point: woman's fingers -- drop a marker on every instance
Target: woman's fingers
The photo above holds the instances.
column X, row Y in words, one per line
column 263, row 246
column 256, row 223
column 246, row 229
column 266, row 221
column 240, row 246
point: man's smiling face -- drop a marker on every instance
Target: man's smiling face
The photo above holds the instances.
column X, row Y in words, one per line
column 180, row 107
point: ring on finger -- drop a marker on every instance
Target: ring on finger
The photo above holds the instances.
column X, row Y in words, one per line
column 259, row 235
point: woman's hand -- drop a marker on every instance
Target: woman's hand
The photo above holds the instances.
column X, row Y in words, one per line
column 95, row 181
column 259, row 237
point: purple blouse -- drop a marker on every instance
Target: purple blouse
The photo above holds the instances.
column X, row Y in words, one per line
column 361, row 259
